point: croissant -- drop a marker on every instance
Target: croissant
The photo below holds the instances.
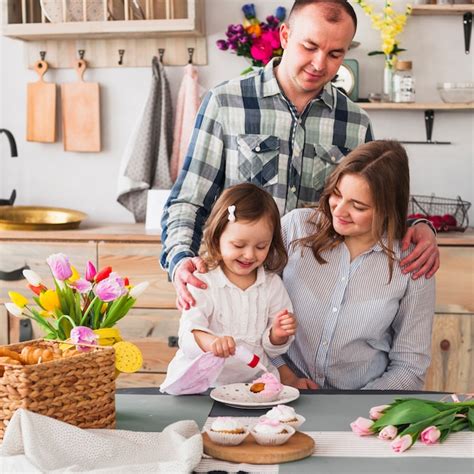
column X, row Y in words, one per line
column 4, row 352
column 34, row 355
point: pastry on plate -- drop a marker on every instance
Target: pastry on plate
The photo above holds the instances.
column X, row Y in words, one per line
column 266, row 388
column 285, row 414
column 227, row 430
column 272, row 432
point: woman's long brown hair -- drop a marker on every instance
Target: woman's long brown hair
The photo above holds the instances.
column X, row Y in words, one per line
column 384, row 166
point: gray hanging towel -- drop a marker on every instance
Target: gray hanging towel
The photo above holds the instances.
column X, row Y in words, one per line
column 145, row 163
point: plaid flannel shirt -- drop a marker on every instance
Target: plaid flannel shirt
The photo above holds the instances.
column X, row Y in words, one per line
column 246, row 130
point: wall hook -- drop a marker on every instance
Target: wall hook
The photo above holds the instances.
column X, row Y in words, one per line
column 121, row 53
column 161, row 53
column 81, row 53
column 190, row 53
column 42, row 55
column 467, row 22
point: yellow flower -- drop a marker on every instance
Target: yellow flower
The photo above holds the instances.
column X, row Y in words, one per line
column 49, row 300
column 75, row 275
column 18, row 299
column 254, row 30
column 103, row 308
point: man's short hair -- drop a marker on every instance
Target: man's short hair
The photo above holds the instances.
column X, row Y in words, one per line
column 332, row 14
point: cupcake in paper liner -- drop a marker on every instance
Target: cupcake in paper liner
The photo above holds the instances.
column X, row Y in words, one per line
column 285, row 414
column 267, row 388
column 228, row 431
column 271, row 432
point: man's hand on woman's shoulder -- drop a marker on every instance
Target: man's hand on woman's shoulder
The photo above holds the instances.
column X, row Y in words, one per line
column 424, row 259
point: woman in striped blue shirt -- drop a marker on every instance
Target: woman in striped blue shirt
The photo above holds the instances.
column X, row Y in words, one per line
column 363, row 324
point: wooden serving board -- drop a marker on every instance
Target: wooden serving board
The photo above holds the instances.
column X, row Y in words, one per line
column 299, row 446
column 41, row 108
column 81, row 113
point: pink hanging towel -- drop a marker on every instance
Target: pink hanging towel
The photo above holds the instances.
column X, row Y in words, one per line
column 187, row 106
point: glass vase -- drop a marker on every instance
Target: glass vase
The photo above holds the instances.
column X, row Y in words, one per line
column 387, row 90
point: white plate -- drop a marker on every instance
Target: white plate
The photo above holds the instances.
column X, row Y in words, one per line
column 237, row 395
column 53, row 10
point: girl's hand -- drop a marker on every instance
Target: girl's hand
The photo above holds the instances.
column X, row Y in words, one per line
column 284, row 325
column 223, row 346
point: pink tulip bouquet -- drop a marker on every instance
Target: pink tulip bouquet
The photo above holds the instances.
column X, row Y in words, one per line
column 256, row 40
column 76, row 306
column 406, row 420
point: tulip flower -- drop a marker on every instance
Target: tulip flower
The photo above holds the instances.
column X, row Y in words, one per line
column 136, row 291
column 60, row 266
column 32, row 277
column 83, row 335
column 37, row 290
column 110, row 289
column 18, row 299
column 400, row 444
column 249, row 11
column 82, row 285
column 362, row 426
column 49, row 300
column 280, row 13
column 430, row 435
column 388, row 433
column 91, row 272
column 75, row 275
column 222, row 45
column 103, row 274
column 376, row 412
column 14, row 309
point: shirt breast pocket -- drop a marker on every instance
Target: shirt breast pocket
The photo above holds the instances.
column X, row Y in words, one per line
column 258, row 159
column 326, row 158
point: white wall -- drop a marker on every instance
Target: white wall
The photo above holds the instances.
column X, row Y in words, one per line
column 46, row 175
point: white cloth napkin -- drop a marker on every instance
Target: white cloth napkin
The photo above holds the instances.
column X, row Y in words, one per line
column 49, row 445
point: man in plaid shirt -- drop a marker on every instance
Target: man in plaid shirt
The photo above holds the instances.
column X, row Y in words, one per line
column 284, row 128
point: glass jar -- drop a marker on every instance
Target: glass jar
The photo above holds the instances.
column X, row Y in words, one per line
column 403, row 82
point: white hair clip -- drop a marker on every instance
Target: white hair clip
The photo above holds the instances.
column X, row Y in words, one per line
column 231, row 210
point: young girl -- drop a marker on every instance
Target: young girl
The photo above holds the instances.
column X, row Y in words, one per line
column 363, row 323
column 245, row 302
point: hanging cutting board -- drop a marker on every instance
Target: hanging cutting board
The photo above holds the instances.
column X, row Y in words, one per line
column 81, row 113
column 41, row 108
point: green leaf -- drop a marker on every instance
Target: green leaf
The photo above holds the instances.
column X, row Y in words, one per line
column 444, row 435
column 406, row 412
column 470, row 418
column 65, row 324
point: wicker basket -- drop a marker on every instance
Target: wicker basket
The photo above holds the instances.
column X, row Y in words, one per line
column 432, row 206
column 79, row 390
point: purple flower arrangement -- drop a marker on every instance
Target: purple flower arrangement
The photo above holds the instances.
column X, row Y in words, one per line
column 253, row 39
column 97, row 301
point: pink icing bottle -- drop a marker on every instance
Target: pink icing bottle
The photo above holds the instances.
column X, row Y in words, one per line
column 247, row 357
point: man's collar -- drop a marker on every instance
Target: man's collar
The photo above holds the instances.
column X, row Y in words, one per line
column 270, row 86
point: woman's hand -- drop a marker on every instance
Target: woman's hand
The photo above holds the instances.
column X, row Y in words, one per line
column 284, row 325
column 184, row 276
column 223, row 346
column 424, row 260
column 288, row 377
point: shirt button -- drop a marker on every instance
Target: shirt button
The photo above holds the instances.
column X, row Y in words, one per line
column 334, row 310
column 343, row 279
column 325, row 343
column 293, row 189
column 257, row 149
column 333, row 159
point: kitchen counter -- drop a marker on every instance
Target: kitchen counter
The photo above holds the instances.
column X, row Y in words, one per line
column 147, row 410
column 138, row 233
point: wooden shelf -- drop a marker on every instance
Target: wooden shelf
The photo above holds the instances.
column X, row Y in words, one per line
column 414, row 106
column 457, row 9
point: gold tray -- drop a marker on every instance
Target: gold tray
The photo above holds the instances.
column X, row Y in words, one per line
column 39, row 218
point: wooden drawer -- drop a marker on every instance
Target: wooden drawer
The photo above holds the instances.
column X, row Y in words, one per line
column 455, row 280
column 452, row 360
column 15, row 255
column 140, row 262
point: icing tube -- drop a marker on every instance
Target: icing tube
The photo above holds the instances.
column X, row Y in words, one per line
column 247, row 357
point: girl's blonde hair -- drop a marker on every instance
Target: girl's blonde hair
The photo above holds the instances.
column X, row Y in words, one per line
column 251, row 204
column 384, row 166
